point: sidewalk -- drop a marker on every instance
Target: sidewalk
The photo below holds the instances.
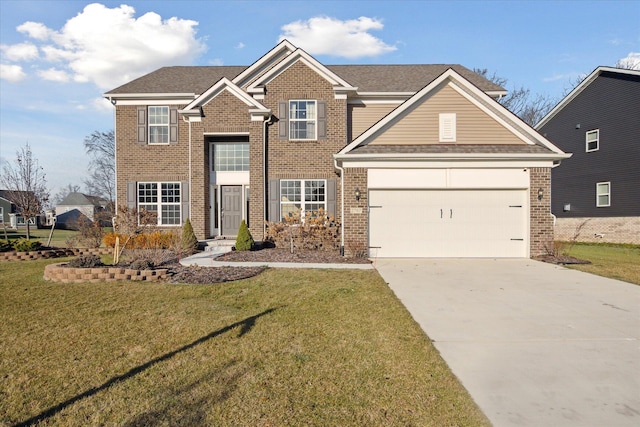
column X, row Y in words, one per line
column 208, row 259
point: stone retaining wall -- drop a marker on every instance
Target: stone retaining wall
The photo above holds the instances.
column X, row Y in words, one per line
column 60, row 273
column 52, row 253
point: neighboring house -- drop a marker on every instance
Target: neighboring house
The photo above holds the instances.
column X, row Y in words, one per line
column 598, row 188
column 413, row 160
column 9, row 213
column 6, row 207
column 78, row 206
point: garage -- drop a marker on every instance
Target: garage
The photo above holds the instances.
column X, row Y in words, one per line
column 466, row 223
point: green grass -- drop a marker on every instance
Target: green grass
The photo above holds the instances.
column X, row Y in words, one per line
column 620, row 262
column 58, row 239
column 288, row 347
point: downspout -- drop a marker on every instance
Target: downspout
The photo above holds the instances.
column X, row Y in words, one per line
column 190, row 198
column 265, row 124
column 115, row 161
column 341, row 169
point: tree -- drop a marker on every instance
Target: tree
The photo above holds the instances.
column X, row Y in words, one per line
column 27, row 185
column 101, row 148
column 530, row 108
column 64, row 192
column 631, row 62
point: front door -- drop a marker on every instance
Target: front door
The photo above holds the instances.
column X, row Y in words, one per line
column 231, row 209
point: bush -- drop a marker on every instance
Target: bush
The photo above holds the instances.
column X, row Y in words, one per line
column 189, row 240
column 142, row 264
column 5, row 246
column 24, row 245
column 244, row 241
column 317, row 232
column 90, row 234
column 86, row 261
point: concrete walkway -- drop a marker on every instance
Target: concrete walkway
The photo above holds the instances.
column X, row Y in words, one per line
column 207, row 259
column 534, row 344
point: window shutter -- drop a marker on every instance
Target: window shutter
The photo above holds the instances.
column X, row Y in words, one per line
column 283, row 124
column 184, row 199
column 331, row 197
column 322, row 120
column 274, row 200
column 173, row 126
column 132, row 195
column 142, row 125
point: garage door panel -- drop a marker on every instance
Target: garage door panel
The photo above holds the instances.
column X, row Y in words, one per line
column 447, row 223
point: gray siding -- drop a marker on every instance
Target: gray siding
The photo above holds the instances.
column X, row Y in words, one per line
column 610, row 103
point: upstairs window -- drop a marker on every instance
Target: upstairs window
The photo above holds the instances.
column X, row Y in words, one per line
column 158, row 125
column 447, row 127
column 603, row 194
column 592, row 139
column 302, row 120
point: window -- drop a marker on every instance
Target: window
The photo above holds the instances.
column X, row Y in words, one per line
column 302, row 120
column 306, row 195
column 231, row 157
column 161, row 199
column 447, row 127
column 603, row 194
column 158, row 125
column 592, row 139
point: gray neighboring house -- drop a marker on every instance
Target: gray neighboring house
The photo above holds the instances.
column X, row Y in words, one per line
column 5, row 209
column 598, row 188
column 76, row 206
column 9, row 212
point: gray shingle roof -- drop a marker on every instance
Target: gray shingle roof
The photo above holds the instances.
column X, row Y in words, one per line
column 80, row 199
column 368, row 78
column 451, row 149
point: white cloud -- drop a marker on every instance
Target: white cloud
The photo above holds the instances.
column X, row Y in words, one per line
column 111, row 46
column 102, row 105
column 12, row 73
column 35, row 30
column 54, row 75
column 216, row 61
column 240, row 45
column 20, row 52
column 331, row 36
column 630, row 62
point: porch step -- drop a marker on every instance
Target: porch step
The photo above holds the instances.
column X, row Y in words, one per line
column 219, row 246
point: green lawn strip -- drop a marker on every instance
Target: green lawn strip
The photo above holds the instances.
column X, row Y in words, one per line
column 620, row 262
column 59, row 238
column 288, row 347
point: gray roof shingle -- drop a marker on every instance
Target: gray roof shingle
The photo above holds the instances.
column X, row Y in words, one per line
column 451, row 149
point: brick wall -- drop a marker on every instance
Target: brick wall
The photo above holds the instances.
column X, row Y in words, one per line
column 611, row 230
column 541, row 221
column 356, row 224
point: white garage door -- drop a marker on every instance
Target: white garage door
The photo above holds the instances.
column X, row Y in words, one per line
column 447, row 223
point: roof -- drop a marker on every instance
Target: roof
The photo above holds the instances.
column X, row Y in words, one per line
column 612, row 71
column 80, row 199
column 367, row 78
column 452, row 149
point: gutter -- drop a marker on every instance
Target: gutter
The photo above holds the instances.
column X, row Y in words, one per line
column 341, row 169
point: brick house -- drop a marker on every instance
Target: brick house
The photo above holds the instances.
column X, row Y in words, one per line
column 413, row 160
column 597, row 190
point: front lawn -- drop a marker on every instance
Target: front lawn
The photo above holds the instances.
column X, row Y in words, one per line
column 620, row 262
column 58, row 239
column 288, row 347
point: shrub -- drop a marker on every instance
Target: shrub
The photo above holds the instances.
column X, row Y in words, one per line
column 244, row 241
column 86, row 261
column 25, row 245
column 90, row 234
column 317, row 232
column 189, row 240
column 142, row 264
column 5, row 246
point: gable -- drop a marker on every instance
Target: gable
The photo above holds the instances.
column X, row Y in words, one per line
column 420, row 125
column 225, row 105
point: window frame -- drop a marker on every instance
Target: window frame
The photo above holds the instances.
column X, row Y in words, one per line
column 150, row 125
column 303, row 202
column 607, row 194
column 217, row 145
column 595, row 132
column 294, row 120
column 159, row 203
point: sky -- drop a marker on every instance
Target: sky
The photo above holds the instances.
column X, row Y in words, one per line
column 58, row 58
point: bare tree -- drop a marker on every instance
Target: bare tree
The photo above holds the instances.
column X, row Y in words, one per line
column 26, row 182
column 530, row 108
column 629, row 63
column 101, row 148
column 64, row 192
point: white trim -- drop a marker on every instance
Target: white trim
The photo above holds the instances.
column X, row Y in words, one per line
column 578, row 89
column 302, row 201
column 282, row 49
column 220, row 86
column 608, row 194
column 291, row 120
column 447, row 127
column 159, row 204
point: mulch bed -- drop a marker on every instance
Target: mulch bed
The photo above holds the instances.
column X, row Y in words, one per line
column 561, row 259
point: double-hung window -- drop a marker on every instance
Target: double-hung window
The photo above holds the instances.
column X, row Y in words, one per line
column 161, row 199
column 592, row 140
column 308, row 196
column 603, row 194
column 302, row 120
column 158, row 125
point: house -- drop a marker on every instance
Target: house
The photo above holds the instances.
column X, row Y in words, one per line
column 6, row 207
column 597, row 190
column 413, row 160
column 77, row 206
column 9, row 214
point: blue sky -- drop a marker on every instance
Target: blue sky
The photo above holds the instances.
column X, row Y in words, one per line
column 57, row 58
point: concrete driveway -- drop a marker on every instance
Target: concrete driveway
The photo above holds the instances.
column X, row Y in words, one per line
column 533, row 343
